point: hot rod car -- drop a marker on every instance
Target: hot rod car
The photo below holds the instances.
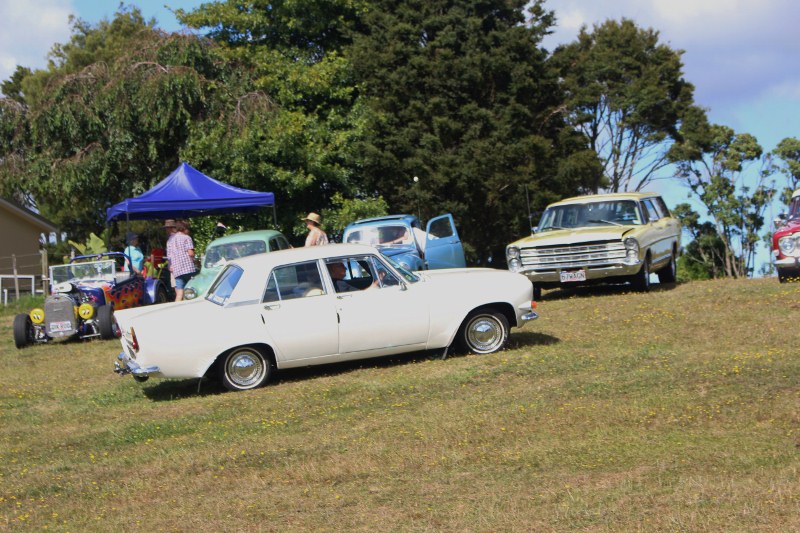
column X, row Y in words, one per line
column 83, row 297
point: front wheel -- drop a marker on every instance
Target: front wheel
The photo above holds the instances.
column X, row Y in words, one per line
column 23, row 330
column 161, row 295
column 244, row 368
column 484, row 332
column 107, row 323
column 641, row 280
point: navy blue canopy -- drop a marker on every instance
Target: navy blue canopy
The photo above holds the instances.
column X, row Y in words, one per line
column 186, row 193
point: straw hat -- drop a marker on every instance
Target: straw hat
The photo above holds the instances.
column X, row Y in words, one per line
column 315, row 218
column 169, row 223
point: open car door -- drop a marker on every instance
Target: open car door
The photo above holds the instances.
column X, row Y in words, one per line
column 443, row 248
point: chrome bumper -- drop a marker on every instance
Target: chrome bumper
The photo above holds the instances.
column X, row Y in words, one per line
column 125, row 365
column 529, row 316
column 592, row 273
column 787, row 262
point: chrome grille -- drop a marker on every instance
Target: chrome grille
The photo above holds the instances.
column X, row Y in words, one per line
column 584, row 255
column 60, row 309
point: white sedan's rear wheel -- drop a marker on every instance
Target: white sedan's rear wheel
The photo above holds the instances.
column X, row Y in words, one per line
column 245, row 368
column 484, row 332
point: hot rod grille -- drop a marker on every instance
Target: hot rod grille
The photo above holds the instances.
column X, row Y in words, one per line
column 586, row 255
column 59, row 316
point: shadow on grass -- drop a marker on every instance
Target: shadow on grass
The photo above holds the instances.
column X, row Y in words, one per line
column 174, row 389
column 588, row 291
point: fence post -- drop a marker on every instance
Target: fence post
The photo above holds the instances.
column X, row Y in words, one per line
column 16, row 279
column 45, row 280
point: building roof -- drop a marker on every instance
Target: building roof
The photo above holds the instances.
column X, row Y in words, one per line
column 29, row 216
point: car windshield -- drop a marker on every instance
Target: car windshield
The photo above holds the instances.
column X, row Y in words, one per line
column 407, row 274
column 94, row 270
column 218, row 255
column 223, row 286
column 794, row 208
column 389, row 235
column 612, row 212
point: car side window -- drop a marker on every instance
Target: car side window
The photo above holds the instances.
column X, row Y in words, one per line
column 290, row 282
column 441, row 228
column 223, row 286
column 652, row 214
column 662, row 207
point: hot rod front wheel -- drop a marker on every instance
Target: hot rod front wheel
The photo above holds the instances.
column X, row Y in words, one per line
column 484, row 332
column 244, row 368
column 23, row 330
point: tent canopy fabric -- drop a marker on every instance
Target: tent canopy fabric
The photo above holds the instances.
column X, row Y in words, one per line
column 187, row 193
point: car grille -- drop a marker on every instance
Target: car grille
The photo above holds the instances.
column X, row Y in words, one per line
column 59, row 309
column 581, row 255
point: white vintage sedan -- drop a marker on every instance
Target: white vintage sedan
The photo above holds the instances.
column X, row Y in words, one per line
column 317, row 305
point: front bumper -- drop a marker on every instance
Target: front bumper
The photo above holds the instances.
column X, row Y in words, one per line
column 527, row 317
column 593, row 273
column 125, row 365
column 787, row 262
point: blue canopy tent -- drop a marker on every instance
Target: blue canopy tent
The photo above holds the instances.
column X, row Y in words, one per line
column 187, row 193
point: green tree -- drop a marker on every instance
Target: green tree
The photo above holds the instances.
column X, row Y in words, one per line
column 788, row 151
column 459, row 94
column 627, row 95
column 704, row 256
column 714, row 164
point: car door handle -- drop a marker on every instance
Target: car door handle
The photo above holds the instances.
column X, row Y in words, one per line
column 343, row 296
column 272, row 307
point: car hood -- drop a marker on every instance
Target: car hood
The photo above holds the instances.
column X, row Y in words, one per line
column 576, row 235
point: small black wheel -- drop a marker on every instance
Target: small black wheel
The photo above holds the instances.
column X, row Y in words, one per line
column 244, row 368
column 641, row 280
column 668, row 273
column 161, row 295
column 484, row 332
column 537, row 292
column 23, row 331
column 107, row 323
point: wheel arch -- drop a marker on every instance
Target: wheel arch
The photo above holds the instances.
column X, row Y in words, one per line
column 264, row 348
column 505, row 308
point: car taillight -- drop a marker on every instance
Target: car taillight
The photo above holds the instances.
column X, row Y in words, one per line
column 533, row 304
column 134, row 341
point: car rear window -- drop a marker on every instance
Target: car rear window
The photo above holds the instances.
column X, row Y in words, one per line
column 223, row 286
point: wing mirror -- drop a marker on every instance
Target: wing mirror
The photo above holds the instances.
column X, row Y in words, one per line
column 780, row 220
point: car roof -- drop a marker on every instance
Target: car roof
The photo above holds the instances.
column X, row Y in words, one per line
column 408, row 219
column 297, row 255
column 255, row 235
column 606, row 197
column 796, row 193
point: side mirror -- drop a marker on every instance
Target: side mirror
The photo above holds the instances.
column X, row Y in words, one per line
column 534, row 229
column 780, row 220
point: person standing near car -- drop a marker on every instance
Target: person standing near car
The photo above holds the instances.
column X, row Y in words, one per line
column 180, row 252
column 315, row 236
column 135, row 253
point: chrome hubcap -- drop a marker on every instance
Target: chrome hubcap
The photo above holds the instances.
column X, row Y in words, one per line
column 245, row 369
column 485, row 334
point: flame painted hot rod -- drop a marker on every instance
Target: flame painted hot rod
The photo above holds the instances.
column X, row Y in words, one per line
column 83, row 297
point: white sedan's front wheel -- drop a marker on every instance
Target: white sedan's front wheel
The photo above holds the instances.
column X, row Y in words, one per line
column 484, row 332
column 245, row 368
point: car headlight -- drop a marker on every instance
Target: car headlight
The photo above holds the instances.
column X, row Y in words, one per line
column 788, row 244
column 631, row 250
column 512, row 252
column 189, row 293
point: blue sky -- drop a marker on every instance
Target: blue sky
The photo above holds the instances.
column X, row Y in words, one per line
column 742, row 56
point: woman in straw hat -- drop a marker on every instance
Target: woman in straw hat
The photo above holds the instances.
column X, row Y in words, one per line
column 315, row 234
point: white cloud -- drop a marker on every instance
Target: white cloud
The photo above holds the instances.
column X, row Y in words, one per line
column 28, row 31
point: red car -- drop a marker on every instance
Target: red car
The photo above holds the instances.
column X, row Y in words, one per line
column 786, row 242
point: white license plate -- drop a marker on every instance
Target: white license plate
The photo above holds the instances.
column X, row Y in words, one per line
column 61, row 326
column 577, row 275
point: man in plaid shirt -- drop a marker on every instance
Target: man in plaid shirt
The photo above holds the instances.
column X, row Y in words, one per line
column 180, row 251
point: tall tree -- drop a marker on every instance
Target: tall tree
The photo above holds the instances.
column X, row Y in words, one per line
column 463, row 115
column 788, row 151
column 713, row 163
column 627, row 94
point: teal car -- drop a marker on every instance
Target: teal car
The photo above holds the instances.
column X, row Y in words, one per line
column 230, row 247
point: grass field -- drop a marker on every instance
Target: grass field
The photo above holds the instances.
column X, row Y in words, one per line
column 677, row 410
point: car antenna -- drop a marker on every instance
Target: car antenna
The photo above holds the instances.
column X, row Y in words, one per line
column 528, row 202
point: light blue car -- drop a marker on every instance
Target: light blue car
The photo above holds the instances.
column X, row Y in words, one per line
column 402, row 238
column 230, row 247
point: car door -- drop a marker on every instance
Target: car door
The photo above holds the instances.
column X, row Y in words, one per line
column 443, row 248
column 659, row 239
column 299, row 315
column 378, row 315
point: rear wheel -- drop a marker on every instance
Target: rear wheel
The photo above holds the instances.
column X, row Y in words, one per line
column 641, row 280
column 244, row 368
column 107, row 323
column 667, row 274
column 23, row 330
column 484, row 332
column 161, row 295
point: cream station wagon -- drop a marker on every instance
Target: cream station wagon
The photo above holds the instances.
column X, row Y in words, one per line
column 599, row 238
column 316, row 305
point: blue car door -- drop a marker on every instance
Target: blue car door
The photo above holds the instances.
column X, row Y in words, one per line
column 443, row 248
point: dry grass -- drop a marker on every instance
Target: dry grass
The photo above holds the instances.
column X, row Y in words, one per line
column 670, row 411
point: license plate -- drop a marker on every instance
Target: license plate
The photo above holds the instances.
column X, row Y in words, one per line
column 577, row 275
column 61, row 326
